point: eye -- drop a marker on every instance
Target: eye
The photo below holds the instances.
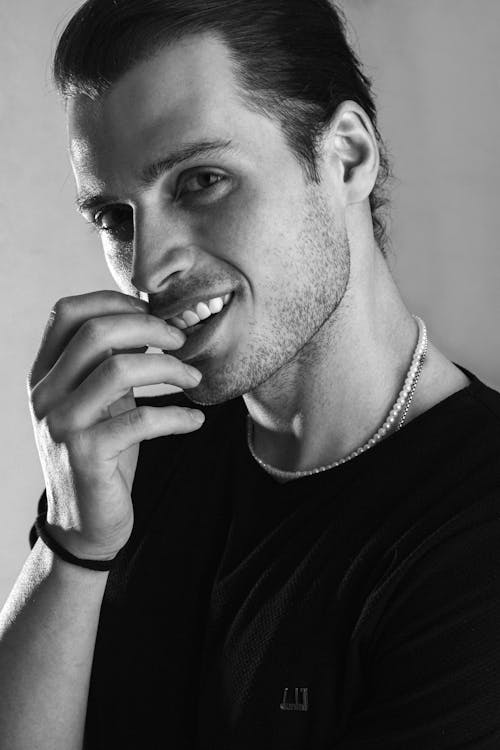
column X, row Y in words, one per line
column 202, row 182
column 117, row 221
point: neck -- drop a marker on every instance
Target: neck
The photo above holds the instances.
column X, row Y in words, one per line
column 337, row 392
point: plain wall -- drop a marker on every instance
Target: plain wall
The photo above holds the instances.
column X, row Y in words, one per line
column 435, row 65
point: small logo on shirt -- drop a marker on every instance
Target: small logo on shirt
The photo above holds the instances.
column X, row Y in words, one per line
column 300, row 703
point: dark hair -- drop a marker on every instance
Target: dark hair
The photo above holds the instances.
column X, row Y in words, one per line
column 292, row 59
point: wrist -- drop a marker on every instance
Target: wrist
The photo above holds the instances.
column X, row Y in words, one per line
column 71, row 542
column 68, row 551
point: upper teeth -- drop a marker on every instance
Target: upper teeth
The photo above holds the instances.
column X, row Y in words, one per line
column 202, row 311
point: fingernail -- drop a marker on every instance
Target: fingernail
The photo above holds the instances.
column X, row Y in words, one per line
column 197, row 416
column 194, row 374
column 178, row 334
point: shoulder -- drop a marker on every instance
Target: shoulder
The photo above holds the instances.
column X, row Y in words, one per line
column 467, row 420
column 477, row 416
column 487, row 399
column 447, row 383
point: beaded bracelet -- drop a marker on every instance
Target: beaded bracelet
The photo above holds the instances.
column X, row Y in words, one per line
column 63, row 553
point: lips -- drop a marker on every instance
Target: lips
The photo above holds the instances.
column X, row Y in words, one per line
column 202, row 337
column 182, row 305
column 203, row 311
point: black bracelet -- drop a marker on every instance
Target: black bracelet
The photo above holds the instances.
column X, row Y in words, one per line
column 63, row 553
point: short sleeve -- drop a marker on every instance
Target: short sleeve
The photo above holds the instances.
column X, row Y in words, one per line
column 434, row 668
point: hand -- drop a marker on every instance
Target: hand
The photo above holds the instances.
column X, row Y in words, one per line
column 86, row 423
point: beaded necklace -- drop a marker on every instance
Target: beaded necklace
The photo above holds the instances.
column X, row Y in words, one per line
column 402, row 404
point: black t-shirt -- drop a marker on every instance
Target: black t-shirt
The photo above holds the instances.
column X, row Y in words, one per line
column 355, row 609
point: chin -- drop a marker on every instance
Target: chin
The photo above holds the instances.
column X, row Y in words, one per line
column 215, row 390
column 206, row 399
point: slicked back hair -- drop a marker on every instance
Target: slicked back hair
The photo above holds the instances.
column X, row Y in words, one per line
column 292, row 63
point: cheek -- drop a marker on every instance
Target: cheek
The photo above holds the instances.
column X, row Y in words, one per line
column 119, row 259
column 251, row 231
column 228, row 233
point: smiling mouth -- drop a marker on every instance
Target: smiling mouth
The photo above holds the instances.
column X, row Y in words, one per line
column 206, row 323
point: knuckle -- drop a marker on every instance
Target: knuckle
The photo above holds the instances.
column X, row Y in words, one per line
column 139, row 417
column 91, row 330
column 114, row 368
column 62, row 306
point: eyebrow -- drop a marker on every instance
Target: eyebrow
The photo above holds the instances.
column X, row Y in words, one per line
column 152, row 172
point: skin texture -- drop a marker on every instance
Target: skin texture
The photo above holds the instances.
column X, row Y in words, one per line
column 318, row 339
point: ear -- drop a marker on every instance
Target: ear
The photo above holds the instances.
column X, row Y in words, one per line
column 352, row 147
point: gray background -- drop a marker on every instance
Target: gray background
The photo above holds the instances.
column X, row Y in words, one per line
column 435, row 64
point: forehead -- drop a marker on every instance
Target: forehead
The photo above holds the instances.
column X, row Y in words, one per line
column 186, row 92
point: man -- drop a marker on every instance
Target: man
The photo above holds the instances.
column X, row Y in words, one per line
column 316, row 566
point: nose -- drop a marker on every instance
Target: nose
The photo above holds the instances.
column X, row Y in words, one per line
column 163, row 246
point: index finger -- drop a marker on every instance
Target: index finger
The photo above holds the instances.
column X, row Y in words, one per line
column 66, row 317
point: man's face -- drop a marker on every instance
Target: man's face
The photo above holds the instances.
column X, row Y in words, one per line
column 241, row 219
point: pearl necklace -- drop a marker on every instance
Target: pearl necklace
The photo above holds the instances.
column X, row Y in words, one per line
column 402, row 403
